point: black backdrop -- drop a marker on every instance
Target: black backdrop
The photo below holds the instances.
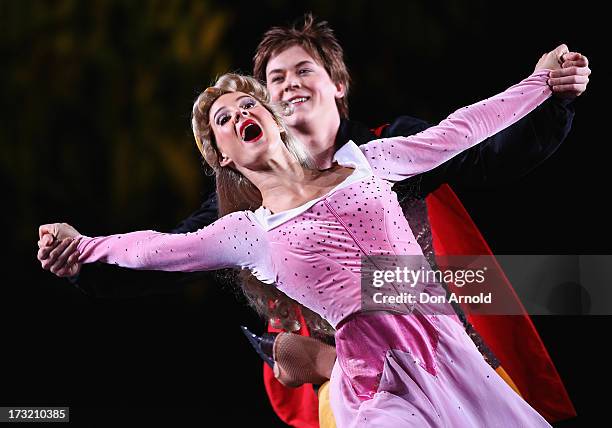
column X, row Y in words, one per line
column 95, row 106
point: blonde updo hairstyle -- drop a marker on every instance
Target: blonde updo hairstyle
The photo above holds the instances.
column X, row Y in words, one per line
column 236, row 193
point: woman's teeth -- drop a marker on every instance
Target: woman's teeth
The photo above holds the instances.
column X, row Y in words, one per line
column 299, row 100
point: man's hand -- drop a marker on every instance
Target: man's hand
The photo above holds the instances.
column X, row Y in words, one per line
column 571, row 80
column 57, row 249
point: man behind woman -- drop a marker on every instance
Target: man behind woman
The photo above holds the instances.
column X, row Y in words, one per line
column 304, row 66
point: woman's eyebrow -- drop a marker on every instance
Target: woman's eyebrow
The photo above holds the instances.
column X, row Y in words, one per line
column 220, row 109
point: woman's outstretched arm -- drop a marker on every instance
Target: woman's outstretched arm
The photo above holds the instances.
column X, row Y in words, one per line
column 398, row 158
column 234, row 240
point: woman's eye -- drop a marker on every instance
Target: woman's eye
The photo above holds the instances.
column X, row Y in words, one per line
column 304, row 71
column 223, row 120
column 248, row 104
column 277, row 79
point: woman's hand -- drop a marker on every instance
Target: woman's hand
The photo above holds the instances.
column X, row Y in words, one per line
column 57, row 249
column 553, row 59
column 59, row 231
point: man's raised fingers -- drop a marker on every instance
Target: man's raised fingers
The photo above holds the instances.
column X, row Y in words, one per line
column 67, row 270
column 577, row 59
column 571, row 56
column 43, row 252
column 74, row 258
column 567, row 80
column 570, row 71
column 575, row 88
column 50, row 229
column 45, row 241
column 579, row 63
column 63, row 257
column 55, row 253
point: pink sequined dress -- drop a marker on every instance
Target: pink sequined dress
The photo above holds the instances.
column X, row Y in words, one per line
column 392, row 370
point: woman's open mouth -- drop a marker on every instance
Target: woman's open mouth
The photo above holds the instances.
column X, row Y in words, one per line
column 250, row 131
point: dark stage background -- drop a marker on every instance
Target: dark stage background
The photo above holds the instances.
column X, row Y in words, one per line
column 95, row 107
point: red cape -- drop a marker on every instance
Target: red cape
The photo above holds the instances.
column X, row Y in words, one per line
column 512, row 338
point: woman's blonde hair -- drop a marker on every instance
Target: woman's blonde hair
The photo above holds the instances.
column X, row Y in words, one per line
column 236, row 193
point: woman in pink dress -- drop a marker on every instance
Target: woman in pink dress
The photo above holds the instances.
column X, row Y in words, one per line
column 408, row 365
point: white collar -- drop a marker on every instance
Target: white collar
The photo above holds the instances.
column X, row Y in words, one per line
column 348, row 155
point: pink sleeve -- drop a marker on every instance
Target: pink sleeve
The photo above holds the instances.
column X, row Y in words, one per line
column 398, row 158
column 234, row 240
